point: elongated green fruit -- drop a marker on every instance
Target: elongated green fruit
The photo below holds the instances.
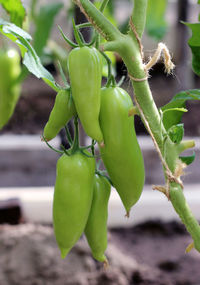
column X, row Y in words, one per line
column 9, row 90
column 85, row 72
column 181, row 207
column 121, row 155
column 72, row 198
column 63, row 110
column 96, row 228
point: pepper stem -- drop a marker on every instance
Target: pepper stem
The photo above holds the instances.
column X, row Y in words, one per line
column 75, row 145
column 109, row 63
column 77, row 35
column 101, row 9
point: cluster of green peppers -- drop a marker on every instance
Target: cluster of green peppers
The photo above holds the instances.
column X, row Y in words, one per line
column 81, row 192
column 80, row 201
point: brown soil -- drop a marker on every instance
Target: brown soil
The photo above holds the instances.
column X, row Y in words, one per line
column 148, row 254
column 161, row 246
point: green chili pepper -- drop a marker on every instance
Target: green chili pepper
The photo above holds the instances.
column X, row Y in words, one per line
column 85, row 72
column 121, row 155
column 72, row 198
column 9, row 90
column 96, row 228
column 61, row 113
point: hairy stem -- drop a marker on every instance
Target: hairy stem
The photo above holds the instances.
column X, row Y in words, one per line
column 139, row 16
column 103, row 5
column 96, row 18
column 181, row 207
column 75, row 145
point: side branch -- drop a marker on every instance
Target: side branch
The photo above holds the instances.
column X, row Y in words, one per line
column 98, row 20
column 139, row 16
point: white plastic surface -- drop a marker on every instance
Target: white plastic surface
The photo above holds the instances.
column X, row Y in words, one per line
column 37, row 205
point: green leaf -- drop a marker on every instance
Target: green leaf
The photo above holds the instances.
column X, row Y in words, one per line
column 176, row 133
column 194, row 44
column 44, row 22
column 156, row 25
column 30, row 58
column 188, row 159
column 9, row 28
column 173, row 111
column 192, row 94
column 16, row 11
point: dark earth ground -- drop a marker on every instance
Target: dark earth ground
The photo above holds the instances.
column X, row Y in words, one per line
column 148, row 254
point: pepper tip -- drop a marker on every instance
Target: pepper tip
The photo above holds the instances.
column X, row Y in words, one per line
column 102, row 144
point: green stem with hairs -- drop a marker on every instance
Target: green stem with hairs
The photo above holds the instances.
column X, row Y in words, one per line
column 97, row 19
column 84, row 25
column 77, row 36
column 103, row 5
column 139, row 17
column 75, row 145
column 101, row 9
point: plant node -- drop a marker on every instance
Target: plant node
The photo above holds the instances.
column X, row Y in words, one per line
column 91, row 20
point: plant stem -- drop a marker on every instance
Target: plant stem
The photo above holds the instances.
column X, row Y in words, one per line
column 109, row 64
column 56, row 150
column 77, row 35
column 72, row 44
column 101, row 9
column 33, row 10
column 101, row 23
column 69, row 138
column 84, row 25
column 139, row 16
column 103, row 5
column 75, row 145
